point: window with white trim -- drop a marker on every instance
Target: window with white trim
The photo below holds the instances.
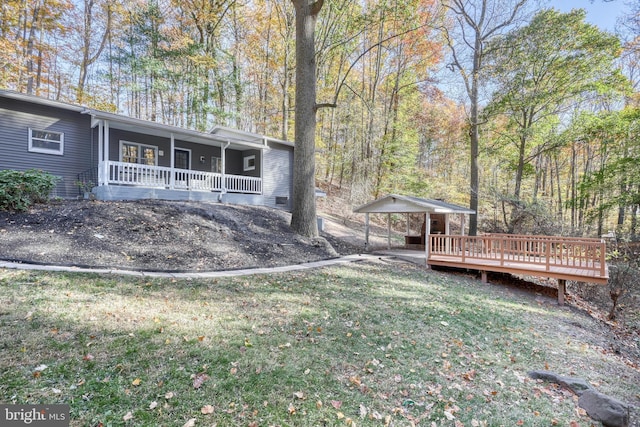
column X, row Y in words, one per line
column 132, row 152
column 44, row 141
column 250, row 163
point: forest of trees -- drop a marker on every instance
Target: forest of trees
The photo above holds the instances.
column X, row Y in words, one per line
column 533, row 113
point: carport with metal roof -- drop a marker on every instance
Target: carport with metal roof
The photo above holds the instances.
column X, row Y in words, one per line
column 437, row 216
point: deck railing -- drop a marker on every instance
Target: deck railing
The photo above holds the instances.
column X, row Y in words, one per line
column 547, row 251
column 123, row 173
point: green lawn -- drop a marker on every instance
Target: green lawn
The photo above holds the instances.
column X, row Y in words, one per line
column 356, row 345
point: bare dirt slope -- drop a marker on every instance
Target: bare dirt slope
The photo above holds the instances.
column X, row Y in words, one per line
column 159, row 235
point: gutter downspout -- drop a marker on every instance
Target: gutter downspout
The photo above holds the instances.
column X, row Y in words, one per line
column 223, row 184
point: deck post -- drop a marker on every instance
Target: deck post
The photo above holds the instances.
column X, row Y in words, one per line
column 483, row 276
column 562, row 284
column 603, row 261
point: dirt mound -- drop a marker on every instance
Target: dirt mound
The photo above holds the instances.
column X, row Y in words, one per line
column 157, row 235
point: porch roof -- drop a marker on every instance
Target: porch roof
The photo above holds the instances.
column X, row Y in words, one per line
column 237, row 139
column 395, row 203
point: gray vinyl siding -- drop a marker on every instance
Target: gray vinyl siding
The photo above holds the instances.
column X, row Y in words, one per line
column 233, row 160
column 278, row 176
column 16, row 117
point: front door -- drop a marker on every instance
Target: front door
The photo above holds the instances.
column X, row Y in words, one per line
column 182, row 159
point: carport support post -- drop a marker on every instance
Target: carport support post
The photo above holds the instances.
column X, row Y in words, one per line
column 389, row 230
column 427, row 239
column 562, row 286
column 366, row 231
column 408, row 228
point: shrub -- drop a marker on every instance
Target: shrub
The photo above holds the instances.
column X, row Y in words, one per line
column 624, row 276
column 20, row 189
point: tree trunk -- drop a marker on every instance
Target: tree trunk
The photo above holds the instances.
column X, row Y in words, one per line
column 87, row 58
column 303, row 218
column 474, row 181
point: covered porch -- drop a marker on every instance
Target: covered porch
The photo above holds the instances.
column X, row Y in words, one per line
column 137, row 159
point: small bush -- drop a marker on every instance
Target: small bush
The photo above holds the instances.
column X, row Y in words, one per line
column 21, row 189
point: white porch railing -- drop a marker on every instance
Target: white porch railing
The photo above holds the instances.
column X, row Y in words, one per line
column 123, row 173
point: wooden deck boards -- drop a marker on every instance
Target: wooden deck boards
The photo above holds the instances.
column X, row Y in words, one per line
column 567, row 273
column 498, row 256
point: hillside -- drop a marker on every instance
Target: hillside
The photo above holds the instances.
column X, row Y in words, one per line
column 160, row 235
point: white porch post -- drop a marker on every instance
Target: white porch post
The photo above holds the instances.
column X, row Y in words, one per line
column 106, row 153
column 172, row 163
column 223, row 155
column 101, row 177
column 462, row 224
column 266, row 145
column 366, row 231
column 388, row 230
column 427, row 239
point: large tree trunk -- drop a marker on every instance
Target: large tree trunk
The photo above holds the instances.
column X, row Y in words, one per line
column 303, row 219
column 474, row 139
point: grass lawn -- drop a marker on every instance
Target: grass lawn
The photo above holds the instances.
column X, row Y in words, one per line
column 356, row 345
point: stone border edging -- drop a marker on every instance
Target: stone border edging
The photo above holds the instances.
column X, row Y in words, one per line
column 192, row 275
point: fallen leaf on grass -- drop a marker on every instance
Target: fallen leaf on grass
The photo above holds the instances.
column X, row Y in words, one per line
column 337, row 404
column 363, row 411
column 128, row 416
column 291, row 409
column 199, row 379
column 299, row 394
column 136, row 382
column 153, row 405
column 190, row 423
column 169, row 395
column 207, row 409
column 469, row 376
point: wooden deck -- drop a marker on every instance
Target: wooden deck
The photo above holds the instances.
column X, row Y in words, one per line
column 563, row 258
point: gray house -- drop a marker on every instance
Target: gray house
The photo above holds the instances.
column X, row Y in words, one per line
column 121, row 158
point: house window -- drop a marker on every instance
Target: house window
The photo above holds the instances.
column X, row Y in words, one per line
column 131, row 152
column 216, row 164
column 250, row 163
column 44, row 141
